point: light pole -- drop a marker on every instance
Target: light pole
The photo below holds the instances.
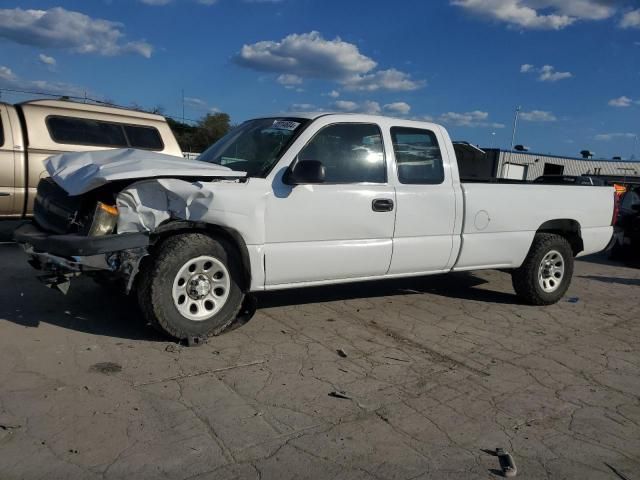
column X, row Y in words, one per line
column 513, row 137
column 493, row 139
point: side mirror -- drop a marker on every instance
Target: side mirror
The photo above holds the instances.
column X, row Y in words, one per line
column 305, row 172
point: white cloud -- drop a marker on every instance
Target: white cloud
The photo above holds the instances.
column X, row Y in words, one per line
column 333, row 94
column 539, row 14
column 549, row 74
column 538, row 116
column 304, row 107
column 620, row 102
column 392, row 80
column 607, row 137
column 8, row 79
column 47, row 60
column 399, row 108
column 631, row 19
column 306, row 55
column 345, row 105
column 65, row 29
column 288, row 79
column 309, row 55
column 368, row 106
column 195, row 102
column 476, row 118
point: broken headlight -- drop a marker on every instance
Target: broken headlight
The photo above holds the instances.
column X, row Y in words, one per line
column 105, row 219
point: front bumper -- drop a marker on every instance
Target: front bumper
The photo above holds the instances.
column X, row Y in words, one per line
column 71, row 245
column 62, row 257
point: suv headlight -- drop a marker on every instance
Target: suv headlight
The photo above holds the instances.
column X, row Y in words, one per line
column 105, row 219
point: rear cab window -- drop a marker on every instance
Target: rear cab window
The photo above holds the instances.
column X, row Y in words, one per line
column 418, row 156
column 84, row 131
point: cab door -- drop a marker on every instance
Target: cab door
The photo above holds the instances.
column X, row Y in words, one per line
column 7, row 166
column 429, row 201
column 339, row 229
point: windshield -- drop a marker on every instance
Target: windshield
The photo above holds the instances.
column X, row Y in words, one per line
column 255, row 146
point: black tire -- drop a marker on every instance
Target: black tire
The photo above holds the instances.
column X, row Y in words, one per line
column 525, row 279
column 156, row 282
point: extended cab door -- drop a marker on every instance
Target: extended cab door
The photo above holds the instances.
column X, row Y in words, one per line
column 7, row 166
column 429, row 200
column 342, row 228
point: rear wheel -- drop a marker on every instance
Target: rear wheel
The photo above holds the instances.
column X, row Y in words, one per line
column 191, row 287
column 546, row 273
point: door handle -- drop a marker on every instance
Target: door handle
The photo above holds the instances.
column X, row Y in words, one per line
column 382, row 205
column 5, row 194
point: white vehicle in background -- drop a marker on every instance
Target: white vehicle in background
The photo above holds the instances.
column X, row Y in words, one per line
column 296, row 201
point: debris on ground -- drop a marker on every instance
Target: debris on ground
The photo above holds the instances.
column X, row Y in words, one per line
column 573, row 299
column 507, row 464
column 341, row 353
column 172, row 348
column 340, row 394
column 107, row 368
column 196, row 341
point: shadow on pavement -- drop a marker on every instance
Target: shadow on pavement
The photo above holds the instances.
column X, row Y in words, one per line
column 454, row 285
column 87, row 308
column 91, row 309
column 618, row 280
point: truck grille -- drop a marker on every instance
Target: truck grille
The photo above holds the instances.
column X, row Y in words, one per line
column 54, row 210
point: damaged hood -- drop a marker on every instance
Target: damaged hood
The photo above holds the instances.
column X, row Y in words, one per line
column 82, row 172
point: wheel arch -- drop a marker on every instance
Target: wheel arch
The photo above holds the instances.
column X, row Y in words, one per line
column 174, row 227
column 567, row 228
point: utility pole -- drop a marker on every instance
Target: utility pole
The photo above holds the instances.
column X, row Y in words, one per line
column 513, row 137
column 183, row 106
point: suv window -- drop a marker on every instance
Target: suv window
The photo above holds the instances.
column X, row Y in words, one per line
column 84, row 131
column 418, row 156
column 350, row 153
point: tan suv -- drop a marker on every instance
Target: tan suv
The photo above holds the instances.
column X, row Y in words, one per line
column 32, row 131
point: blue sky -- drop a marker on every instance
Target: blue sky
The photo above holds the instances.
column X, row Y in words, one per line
column 573, row 66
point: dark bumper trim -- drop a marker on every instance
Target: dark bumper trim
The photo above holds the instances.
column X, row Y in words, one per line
column 77, row 245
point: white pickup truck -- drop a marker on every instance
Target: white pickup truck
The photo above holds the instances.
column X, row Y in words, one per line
column 300, row 200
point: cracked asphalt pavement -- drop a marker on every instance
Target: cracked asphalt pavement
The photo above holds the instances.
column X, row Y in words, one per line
column 411, row 379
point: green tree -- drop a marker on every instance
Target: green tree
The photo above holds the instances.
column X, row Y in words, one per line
column 197, row 138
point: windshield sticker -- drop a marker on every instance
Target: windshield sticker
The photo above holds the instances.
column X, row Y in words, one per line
column 285, row 125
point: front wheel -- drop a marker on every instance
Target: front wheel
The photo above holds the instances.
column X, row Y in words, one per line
column 191, row 287
column 546, row 273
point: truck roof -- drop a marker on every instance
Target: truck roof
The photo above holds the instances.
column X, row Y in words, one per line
column 360, row 116
column 92, row 107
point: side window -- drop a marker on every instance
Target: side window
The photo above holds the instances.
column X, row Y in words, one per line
column 147, row 138
column 85, row 131
column 418, row 156
column 1, row 133
column 350, row 153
